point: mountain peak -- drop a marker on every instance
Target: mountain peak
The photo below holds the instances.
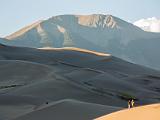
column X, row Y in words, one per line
column 97, row 20
column 97, row 32
column 93, row 20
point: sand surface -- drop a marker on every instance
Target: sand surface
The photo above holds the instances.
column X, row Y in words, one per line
column 69, row 110
column 70, row 83
column 148, row 112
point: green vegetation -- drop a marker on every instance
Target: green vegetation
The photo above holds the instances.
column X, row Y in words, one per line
column 126, row 96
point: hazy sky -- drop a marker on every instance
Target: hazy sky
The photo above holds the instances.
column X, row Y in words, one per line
column 15, row 14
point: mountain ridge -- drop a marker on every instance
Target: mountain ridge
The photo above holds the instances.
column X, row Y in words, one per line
column 98, row 32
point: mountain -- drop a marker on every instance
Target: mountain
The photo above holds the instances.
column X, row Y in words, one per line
column 149, row 24
column 103, row 33
column 70, row 83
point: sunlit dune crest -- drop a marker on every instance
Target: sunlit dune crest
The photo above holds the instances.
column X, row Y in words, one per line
column 77, row 49
column 147, row 112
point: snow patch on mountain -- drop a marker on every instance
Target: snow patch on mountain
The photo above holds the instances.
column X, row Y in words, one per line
column 149, row 24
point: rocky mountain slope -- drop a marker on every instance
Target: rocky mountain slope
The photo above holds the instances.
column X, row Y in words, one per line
column 103, row 33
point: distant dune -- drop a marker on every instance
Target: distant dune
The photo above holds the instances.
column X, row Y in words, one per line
column 148, row 112
column 77, row 49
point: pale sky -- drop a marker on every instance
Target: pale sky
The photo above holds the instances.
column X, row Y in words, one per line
column 16, row 14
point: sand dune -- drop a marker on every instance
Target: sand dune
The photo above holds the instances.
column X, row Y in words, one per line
column 68, row 110
column 148, row 112
column 77, row 49
column 12, row 106
column 72, row 80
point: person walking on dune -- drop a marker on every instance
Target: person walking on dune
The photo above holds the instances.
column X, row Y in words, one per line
column 132, row 103
column 129, row 103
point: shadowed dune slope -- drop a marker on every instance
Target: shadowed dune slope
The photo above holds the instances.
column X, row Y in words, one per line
column 69, row 110
column 71, row 80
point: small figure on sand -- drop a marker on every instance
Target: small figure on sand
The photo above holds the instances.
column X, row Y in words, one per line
column 46, row 102
column 130, row 103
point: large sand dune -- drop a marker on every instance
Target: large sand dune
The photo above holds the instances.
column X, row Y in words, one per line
column 148, row 112
column 36, row 83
